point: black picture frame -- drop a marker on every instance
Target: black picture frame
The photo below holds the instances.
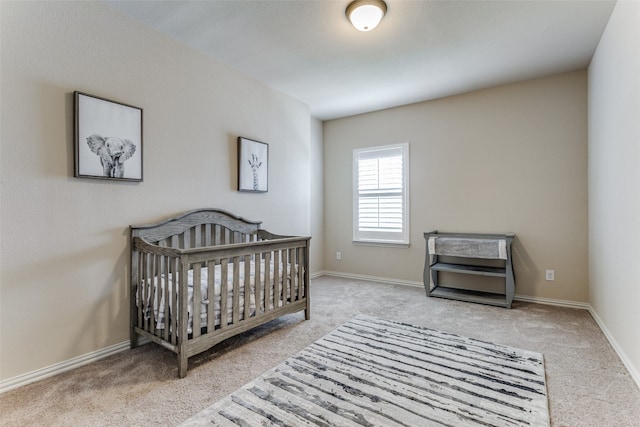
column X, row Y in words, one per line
column 107, row 139
column 253, row 166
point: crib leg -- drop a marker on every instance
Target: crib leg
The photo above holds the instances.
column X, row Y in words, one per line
column 133, row 337
column 182, row 364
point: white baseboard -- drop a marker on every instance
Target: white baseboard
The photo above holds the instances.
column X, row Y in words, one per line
column 635, row 375
column 58, row 368
column 550, row 301
column 316, row 274
column 372, row 278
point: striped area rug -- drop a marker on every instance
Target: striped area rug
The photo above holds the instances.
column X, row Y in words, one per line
column 373, row 372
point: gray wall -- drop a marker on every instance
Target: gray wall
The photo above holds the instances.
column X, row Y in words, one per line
column 511, row 158
column 64, row 244
column 614, row 176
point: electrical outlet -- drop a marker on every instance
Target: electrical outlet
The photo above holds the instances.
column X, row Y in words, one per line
column 550, row 275
column 338, row 256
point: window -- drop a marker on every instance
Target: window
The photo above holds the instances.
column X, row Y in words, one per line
column 380, row 195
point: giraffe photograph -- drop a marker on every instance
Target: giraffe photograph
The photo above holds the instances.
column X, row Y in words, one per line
column 253, row 165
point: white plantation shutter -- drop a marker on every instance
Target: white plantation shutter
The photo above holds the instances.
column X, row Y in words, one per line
column 380, row 194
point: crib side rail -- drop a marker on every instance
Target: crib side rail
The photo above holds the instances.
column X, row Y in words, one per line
column 247, row 289
column 256, row 282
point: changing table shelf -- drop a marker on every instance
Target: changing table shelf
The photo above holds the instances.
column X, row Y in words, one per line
column 471, row 254
column 477, row 270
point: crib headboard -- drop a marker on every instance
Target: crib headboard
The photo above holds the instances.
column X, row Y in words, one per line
column 198, row 228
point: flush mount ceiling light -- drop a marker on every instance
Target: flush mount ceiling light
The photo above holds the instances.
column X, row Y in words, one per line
column 365, row 15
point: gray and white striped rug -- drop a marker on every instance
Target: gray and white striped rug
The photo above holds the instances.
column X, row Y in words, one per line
column 373, row 372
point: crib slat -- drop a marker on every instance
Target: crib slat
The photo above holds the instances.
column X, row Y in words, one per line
column 224, row 291
column 215, row 235
column 158, row 286
column 186, row 239
column 285, row 277
column 182, row 315
column 300, row 266
column 268, row 288
column 207, row 235
column 152, row 293
column 197, row 299
column 286, row 282
column 211, row 288
column 292, row 275
column 295, row 288
column 140, row 288
column 276, row 279
column 166, row 295
column 171, row 320
column 197, row 236
column 247, row 287
column 145, row 291
column 236, row 290
column 258, row 284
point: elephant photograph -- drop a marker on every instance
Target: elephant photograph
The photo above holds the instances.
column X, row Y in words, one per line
column 112, row 152
column 108, row 139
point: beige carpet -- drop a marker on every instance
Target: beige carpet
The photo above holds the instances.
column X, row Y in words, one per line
column 587, row 383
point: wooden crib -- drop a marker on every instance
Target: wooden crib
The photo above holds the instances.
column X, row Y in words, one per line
column 228, row 275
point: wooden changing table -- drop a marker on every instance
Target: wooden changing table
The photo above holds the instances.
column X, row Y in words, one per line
column 470, row 254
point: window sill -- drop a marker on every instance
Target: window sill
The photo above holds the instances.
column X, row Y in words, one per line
column 380, row 243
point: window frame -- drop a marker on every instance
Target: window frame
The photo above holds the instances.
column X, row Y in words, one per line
column 381, row 238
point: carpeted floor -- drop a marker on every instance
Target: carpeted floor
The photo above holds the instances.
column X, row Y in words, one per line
column 587, row 383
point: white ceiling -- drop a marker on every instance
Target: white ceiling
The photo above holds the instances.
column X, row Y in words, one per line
column 422, row 49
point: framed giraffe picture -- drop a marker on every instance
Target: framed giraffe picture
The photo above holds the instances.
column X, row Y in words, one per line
column 253, row 166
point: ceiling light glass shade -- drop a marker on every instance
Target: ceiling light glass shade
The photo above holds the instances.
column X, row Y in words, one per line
column 365, row 15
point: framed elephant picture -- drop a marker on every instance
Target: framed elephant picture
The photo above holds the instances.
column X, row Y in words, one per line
column 107, row 139
column 253, row 166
